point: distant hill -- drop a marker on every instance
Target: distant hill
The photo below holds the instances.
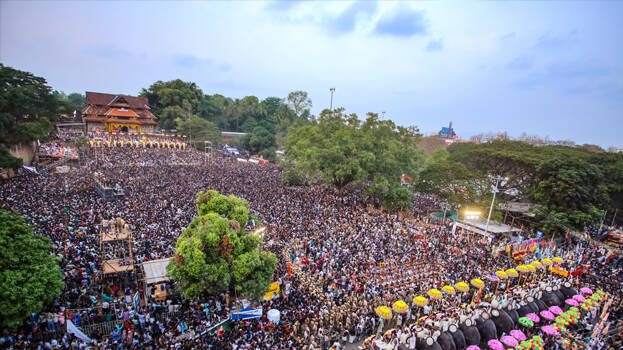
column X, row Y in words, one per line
column 430, row 143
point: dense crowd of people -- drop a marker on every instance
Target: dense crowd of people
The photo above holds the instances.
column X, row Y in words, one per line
column 346, row 258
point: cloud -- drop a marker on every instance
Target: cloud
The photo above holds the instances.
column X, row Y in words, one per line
column 106, row 51
column 508, row 36
column 434, row 45
column 548, row 40
column 346, row 21
column 520, row 63
column 192, row 62
column 403, row 22
column 282, row 5
column 569, row 77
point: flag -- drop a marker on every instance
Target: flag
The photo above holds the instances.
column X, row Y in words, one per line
column 137, row 301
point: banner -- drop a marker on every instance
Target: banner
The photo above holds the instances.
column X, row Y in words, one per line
column 247, row 313
column 559, row 271
column 71, row 328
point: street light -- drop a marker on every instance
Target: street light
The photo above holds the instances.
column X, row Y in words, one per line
column 472, row 215
column 332, row 91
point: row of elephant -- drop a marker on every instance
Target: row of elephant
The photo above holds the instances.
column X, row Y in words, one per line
column 492, row 323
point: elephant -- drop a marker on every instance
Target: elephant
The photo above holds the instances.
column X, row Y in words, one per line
column 561, row 297
column 568, row 292
column 540, row 304
column 534, row 307
column 551, row 299
column 512, row 313
column 428, row 344
column 458, row 337
column 524, row 310
column 446, row 341
column 487, row 330
column 503, row 322
column 471, row 333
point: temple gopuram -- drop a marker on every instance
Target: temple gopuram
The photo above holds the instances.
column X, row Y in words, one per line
column 118, row 113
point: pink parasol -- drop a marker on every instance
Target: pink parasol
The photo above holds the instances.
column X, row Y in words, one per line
column 555, row 310
column 533, row 317
column 586, row 290
column 509, row 341
column 473, row 347
column 548, row 315
column 572, row 302
column 579, row 298
column 549, row 330
column 495, row 344
column 519, row 335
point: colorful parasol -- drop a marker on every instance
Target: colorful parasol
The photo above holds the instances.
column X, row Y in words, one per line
column 434, row 293
column 495, row 344
column 547, row 262
column 537, row 264
column 579, row 298
column 555, row 310
column 548, row 315
column 384, row 312
column 501, row 274
column 390, row 331
column 524, row 321
column 370, row 339
column 586, row 290
column 519, row 335
column 549, row 330
column 571, row 302
column 512, row 273
column 509, row 341
column 462, row 287
column 400, row 307
column 558, row 260
column 448, row 290
column 420, row 301
column 477, row 282
column 533, row 317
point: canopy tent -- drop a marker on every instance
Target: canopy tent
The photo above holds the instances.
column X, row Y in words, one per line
column 155, row 271
column 477, row 226
column 449, row 215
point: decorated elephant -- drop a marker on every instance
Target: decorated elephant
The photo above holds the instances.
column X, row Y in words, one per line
column 503, row 322
column 446, row 341
column 524, row 310
column 561, row 297
column 541, row 305
column 471, row 333
column 458, row 337
column 567, row 291
column 428, row 344
column 487, row 330
column 550, row 299
column 512, row 313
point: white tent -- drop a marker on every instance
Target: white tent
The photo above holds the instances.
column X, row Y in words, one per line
column 155, row 271
column 273, row 315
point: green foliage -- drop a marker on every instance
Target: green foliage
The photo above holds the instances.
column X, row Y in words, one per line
column 300, row 103
column 8, row 161
column 81, row 142
column 29, row 275
column 27, row 106
column 291, row 176
column 77, row 101
column 398, row 198
column 340, row 149
column 446, row 179
column 199, row 130
column 214, row 254
column 173, row 99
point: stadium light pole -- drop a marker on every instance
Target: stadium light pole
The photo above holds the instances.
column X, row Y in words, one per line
column 332, row 91
column 495, row 191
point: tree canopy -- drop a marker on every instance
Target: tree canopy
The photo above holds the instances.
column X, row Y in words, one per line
column 30, row 277
column 215, row 254
column 340, row 149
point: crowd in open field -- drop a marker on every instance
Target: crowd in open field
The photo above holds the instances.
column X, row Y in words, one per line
column 346, row 259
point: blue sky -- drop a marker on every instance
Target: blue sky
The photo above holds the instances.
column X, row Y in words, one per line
column 548, row 68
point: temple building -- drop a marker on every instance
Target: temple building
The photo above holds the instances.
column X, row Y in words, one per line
column 118, row 113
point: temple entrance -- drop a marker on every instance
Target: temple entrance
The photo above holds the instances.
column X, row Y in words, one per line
column 124, row 129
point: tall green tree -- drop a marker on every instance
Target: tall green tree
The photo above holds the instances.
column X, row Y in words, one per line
column 77, row 101
column 198, row 130
column 300, row 103
column 29, row 275
column 340, row 149
column 173, row 99
column 215, row 254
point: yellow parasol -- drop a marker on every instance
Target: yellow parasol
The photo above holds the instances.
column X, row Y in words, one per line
column 448, row 290
column 462, row 287
column 547, row 262
column 434, row 293
column 420, row 301
column 537, row 264
column 522, row 268
column 558, row 260
column 512, row 273
column 530, row 268
column 400, row 307
column 384, row 312
column 477, row 282
column 501, row 275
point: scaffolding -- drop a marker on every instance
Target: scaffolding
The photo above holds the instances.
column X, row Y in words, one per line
column 116, row 243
